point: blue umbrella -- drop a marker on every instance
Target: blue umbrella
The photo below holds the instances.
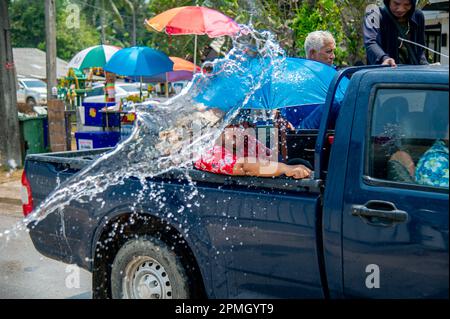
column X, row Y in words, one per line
column 139, row 61
column 229, row 83
column 298, row 84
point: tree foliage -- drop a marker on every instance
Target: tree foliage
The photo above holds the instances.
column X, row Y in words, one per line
column 289, row 20
column 28, row 28
column 27, row 23
column 352, row 16
column 72, row 40
column 324, row 15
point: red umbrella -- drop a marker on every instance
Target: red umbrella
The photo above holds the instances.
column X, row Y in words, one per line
column 193, row 20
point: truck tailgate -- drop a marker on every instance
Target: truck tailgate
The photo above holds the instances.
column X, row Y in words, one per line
column 46, row 171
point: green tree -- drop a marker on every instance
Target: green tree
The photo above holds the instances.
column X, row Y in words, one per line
column 103, row 10
column 324, row 15
column 72, row 40
column 28, row 28
column 27, row 23
column 133, row 32
column 274, row 16
column 352, row 17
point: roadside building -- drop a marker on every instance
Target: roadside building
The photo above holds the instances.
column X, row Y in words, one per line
column 31, row 63
column 436, row 29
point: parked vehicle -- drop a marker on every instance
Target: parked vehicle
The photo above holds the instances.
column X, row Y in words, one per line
column 350, row 231
column 32, row 91
column 123, row 90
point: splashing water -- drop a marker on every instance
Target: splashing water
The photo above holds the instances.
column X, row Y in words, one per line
column 171, row 134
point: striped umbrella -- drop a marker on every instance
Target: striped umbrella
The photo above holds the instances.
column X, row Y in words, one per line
column 93, row 57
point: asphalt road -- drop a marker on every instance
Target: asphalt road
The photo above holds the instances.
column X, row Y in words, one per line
column 26, row 274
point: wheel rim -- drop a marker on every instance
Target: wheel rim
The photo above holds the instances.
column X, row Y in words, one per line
column 145, row 278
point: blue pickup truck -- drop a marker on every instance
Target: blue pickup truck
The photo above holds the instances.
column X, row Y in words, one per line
column 356, row 229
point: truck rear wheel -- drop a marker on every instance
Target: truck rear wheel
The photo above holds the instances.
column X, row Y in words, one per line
column 146, row 268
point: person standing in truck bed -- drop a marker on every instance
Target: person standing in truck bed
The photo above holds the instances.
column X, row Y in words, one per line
column 383, row 28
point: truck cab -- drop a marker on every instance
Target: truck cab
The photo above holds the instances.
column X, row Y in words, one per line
column 375, row 221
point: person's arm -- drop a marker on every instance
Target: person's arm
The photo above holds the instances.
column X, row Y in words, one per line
column 405, row 159
column 255, row 167
column 371, row 34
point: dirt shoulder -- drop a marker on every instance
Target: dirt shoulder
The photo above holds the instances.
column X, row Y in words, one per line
column 10, row 176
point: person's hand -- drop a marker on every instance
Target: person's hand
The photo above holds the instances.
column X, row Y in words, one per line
column 298, row 171
column 389, row 61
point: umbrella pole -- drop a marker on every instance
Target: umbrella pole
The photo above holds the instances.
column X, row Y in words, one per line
column 167, row 86
column 195, row 53
column 140, row 90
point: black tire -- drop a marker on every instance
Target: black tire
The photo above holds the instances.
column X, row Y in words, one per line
column 146, row 268
column 31, row 102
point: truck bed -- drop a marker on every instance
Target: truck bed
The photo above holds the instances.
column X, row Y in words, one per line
column 51, row 169
column 74, row 159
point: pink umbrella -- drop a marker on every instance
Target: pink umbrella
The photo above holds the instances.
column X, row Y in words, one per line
column 193, row 20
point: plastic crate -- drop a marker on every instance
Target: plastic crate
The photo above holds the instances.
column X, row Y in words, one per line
column 91, row 140
column 93, row 116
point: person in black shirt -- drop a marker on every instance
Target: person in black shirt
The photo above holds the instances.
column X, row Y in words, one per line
column 385, row 28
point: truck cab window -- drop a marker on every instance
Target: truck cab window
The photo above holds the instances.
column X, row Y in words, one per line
column 409, row 137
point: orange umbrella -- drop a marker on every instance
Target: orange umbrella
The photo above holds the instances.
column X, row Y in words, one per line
column 182, row 70
column 193, row 20
column 180, row 64
column 179, row 72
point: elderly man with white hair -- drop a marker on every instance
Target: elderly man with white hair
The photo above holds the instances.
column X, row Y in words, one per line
column 320, row 46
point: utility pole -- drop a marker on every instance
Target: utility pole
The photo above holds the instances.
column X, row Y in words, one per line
column 50, row 43
column 55, row 107
column 10, row 146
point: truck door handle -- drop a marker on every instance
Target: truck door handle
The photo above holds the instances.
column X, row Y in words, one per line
column 380, row 209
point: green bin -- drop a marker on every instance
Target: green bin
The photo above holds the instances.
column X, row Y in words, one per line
column 32, row 135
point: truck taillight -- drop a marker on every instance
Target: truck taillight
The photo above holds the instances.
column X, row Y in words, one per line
column 27, row 199
column 331, row 139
